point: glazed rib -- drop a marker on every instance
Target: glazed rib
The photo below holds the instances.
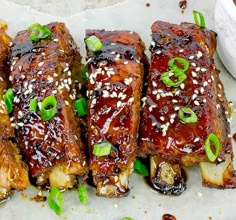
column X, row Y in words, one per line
column 114, row 89
column 162, row 132
column 13, row 171
column 53, row 149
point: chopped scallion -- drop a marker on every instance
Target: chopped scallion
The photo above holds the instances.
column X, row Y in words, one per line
column 208, row 147
column 102, row 149
column 33, row 105
column 187, row 115
column 8, row 99
column 199, row 19
column 55, row 200
column 38, row 32
column 81, row 106
column 93, row 43
column 182, row 61
column 85, row 72
column 49, row 108
column 127, row 218
column 82, row 194
column 140, row 168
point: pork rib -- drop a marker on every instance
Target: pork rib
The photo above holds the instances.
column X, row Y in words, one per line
column 53, row 149
column 114, row 89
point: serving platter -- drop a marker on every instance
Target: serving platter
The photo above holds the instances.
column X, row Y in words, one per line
column 196, row 202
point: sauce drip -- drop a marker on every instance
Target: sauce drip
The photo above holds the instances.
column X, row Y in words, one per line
column 168, row 217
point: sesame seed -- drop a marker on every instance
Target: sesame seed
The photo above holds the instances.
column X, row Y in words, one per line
column 55, row 74
column 1, row 79
column 162, row 118
column 198, row 69
column 66, row 102
column 20, row 68
column 158, row 52
column 199, row 54
column 66, row 69
column 154, row 84
column 196, row 91
column 219, row 95
column 41, row 64
column 177, row 92
column 176, row 108
column 11, row 78
column 69, row 73
column 153, row 43
column 203, row 69
column 119, row 103
column 55, row 40
column 67, row 87
column 181, row 50
column 209, row 80
column 191, row 57
column 205, row 84
column 196, row 102
column 172, row 120
column 105, row 94
column 154, row 123
column 54, row 92
column 154, row 92
column 158, row 96
column 195, row 82
column 182, row 86
column 196, row 139
column 193, row 64
column 194, row 74
column 202, row 90
column 131, row 100
column 219, row 85
column 174, row 101
column 204, row 100
column 40, row 72
column 194, row 96
column 94, row 101
column 126, row 62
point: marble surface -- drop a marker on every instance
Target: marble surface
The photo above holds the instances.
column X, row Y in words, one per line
column 197, row 202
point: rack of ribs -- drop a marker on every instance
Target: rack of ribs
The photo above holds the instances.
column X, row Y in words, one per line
column 182, row 82
column 48, row 67
column 114, row 90
column 13, row 171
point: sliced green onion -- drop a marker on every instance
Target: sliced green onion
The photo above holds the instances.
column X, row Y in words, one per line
column 81, row 106
column 166, row 78
column 140, row 168
column 102, row 149
column 93, row 43
column 55, row 200
column 184, row 62
column 187, row 115
column 8, row 99
column 38, row 32
column 198, row 15
column 85, row 72
column 127, row 218
column 33, row 105
column 208, row 147
column 82, row 194
column 49, row 108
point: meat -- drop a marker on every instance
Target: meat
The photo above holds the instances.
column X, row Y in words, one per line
column 114, row 89
column 13, row 171
column 183, row 82
column 42, row 68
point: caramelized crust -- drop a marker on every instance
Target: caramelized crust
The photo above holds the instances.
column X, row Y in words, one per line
column 162, row 132
column 115, row 85
column 13, row 171
column 53, row 149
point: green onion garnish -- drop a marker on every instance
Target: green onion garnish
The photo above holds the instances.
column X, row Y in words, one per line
column 208, row 147
column 33, row 105
column 81, row 106
column 55, row 200
column 166, row 78
column 176, row 72
column 8, row 99
column 127, row 218
column 85, row 72
column 49, row 108
column 93, row 43
column 187, row 115
column 140, row 168
column 102, row 149
column 198, row 15
column 38, row 32
column 82, row 194
column 173, row 66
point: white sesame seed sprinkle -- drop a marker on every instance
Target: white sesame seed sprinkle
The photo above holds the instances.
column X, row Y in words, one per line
column 94, row 101
column 195, row 82
column 194, row 74
column 40, row 64
column 182, row 86
column 198, row 69
column 119, row 103
column 196, row 103
column 66, row 102
column 176, row 108
column 11, row 78
column 203, row 69
column 205, row 84
column 162, row 118
column 191, row 57
column 158, row 52
column 66, row 69
column 126, row 62
column 196, row 139
column 194, row 96
column 55, row 40
column 193, row 64
column 40, row 72
column 174, row 101
column 181, row 50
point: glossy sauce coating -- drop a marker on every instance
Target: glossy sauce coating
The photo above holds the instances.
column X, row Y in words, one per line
column 38, row 70
column 114, row 90
column 162, row 132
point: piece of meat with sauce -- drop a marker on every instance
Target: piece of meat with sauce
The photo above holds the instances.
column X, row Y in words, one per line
column 163, row 133
column 115, row 85
column 13, row 171
column 48, row 67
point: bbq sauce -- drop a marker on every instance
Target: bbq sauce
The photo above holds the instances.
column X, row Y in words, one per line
column 176, row 189
column 168, row 217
